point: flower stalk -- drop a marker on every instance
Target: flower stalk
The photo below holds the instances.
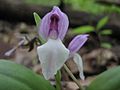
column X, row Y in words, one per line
column 72, row 76
column 58, row 80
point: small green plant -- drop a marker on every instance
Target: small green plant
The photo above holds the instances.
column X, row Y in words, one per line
column 98, row 30
column 103, row 32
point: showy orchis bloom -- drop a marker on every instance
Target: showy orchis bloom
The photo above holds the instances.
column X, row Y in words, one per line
column 53, row 54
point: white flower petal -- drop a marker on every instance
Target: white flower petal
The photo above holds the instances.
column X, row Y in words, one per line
column 52, row 56
column 78, row 60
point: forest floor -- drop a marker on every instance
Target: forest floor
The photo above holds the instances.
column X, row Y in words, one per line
column 96, row 59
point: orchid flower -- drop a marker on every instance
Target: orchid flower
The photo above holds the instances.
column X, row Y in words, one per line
column 53, row 54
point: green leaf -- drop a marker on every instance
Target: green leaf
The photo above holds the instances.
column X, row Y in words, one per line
column 108, row 80
column 83, row 30
column 37, row 21
column 37, row 18
column 17, row 77
column 106, row 45
column 102, row 23
column 106, row 32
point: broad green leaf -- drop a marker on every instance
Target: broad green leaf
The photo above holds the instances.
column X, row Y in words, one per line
column 102, row 23
column 37, row 19
column 7, row 83
column 83, row 30
column 17, row 77
column 108, row 80
column 106, row 32
column 106, row 45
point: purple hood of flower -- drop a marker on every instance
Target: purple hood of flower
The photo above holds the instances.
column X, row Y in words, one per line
column 54, row 24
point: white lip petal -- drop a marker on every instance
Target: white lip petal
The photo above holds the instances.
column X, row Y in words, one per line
column 78, row 60
column 52, row 56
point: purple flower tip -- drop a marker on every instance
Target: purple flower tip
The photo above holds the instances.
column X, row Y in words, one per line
column 56, row 8
column 77, row 43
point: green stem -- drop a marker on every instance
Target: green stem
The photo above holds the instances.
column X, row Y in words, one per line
column 58, row 80
column 73, row 77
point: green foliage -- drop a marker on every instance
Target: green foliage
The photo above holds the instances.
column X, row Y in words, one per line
column 88, row 28
column 83, row 30
column 108, row 80
column 106, row 32
column 97, row 29
column 37, row 19
column 106, row 45
column 91, row 6
column 17, row 77
column 102, row 23
column 43, row 2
